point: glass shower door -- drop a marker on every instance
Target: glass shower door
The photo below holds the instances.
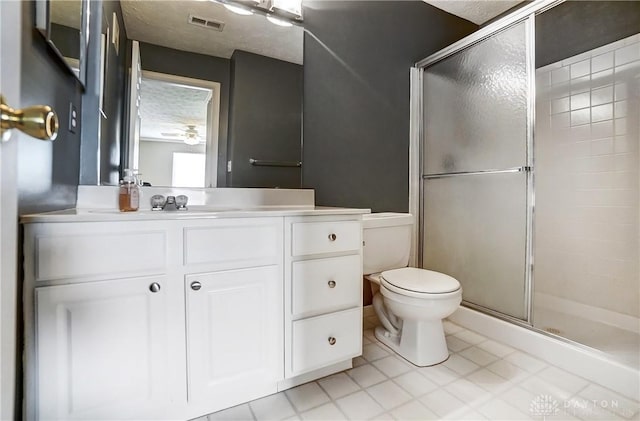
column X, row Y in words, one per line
column 475, row 170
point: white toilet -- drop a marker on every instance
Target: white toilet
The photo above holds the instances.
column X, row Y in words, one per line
column 411, row 302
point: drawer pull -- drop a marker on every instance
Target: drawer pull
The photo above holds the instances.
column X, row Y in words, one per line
column 196, row 286
column 332, row 237
column 154, row 287
column 332, row 340
column 332, row 284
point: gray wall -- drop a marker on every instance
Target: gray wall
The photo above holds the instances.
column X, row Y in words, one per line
column 112, row 128
column 578, row 26
column 357, row 57
column 67, row 40
column 197, row 66
column 47, row 171
column 265, row 120
column 101, row 137
column 47, row 176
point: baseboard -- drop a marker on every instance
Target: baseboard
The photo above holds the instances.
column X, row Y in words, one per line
column 367, row 311
column 596, row 314
column 586, row 363
column 313, row 375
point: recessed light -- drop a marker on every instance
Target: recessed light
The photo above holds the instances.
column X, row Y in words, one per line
column 238, row 9
column 278, row 21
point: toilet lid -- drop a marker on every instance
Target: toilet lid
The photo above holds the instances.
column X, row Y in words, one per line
column 421, row 280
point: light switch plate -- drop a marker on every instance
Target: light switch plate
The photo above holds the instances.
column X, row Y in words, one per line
column 74, row 121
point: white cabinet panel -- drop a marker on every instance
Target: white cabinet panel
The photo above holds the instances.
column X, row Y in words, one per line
column 234, row 335
column 64, row 255
column 102, row 350
column 324, row 340
column 323, row 285
column 245, row 242
column 325, row 237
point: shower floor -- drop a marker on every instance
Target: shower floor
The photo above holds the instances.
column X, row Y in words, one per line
column 620, row 344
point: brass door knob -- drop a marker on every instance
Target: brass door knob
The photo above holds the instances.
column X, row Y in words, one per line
column 39, row 121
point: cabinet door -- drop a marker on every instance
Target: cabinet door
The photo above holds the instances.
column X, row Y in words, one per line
column 234, row 335
column 102, row 350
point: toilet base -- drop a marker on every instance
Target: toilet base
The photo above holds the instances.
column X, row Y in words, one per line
column 421, row 343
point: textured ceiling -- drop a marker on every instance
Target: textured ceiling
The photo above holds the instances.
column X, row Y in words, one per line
column 476, row 11
column 66, row 12
column 170, row 108
column 165, row 23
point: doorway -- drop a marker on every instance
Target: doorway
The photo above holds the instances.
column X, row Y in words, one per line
column 178, row 136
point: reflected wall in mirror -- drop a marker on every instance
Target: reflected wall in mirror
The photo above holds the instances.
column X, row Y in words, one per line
column 64, row 24
column 258, row 68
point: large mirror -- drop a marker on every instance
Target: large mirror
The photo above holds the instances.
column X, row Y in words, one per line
column 64, row 24
column 219, row 96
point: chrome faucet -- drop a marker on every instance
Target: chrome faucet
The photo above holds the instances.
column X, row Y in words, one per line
column 181, row 202
column 157, row 202
column 172, row 203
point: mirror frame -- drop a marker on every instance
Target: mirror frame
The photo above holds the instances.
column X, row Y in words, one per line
column 43, row 26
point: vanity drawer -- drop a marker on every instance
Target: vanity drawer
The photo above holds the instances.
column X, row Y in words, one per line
column 324, row 340
column 325, row 237
column 87, row 251
column 323, row 285
column 247, row 242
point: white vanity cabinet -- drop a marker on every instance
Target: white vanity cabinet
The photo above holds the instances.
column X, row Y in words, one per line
column 102, row 349
column 178, row 318
column 234, row 299
column 323, row 293
column 102, row 322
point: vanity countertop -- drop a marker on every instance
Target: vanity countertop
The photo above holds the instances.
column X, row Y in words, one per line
column 194, row 212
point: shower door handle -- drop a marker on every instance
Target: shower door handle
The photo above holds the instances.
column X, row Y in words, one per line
column 480, row 172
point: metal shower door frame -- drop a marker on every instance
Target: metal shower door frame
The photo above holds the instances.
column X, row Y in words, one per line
column 416, row 178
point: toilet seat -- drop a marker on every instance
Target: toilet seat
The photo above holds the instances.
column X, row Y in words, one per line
column 416, row 282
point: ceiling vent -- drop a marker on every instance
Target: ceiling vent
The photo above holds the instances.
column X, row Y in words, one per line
column 206, row 23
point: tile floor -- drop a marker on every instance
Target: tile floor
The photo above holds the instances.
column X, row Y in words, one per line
column 482, row 380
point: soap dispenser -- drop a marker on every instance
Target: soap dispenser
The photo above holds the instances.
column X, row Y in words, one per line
column 129, row 196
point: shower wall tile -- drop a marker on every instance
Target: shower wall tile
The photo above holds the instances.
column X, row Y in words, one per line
column 560, row 105
column 587, row 178
column 621, row 108
column 560, row 75
column 582, row 100
column 602, row 62
column 601, row 78
column 627, row 54
column 580, row 69
column 602, row 95
column 601, row 146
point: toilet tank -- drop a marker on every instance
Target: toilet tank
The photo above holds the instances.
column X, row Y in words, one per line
column 387, row 241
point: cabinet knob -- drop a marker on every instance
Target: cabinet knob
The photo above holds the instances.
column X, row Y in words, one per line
column 332, row 340
column 154, row 287
column 332, row 284
column 196, row 285
column 332, row 237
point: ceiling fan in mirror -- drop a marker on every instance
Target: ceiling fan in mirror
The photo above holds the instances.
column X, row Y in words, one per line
column 190, row 135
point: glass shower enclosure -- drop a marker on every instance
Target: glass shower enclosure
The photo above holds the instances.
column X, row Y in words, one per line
column 530, row 150
column 476, row 168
